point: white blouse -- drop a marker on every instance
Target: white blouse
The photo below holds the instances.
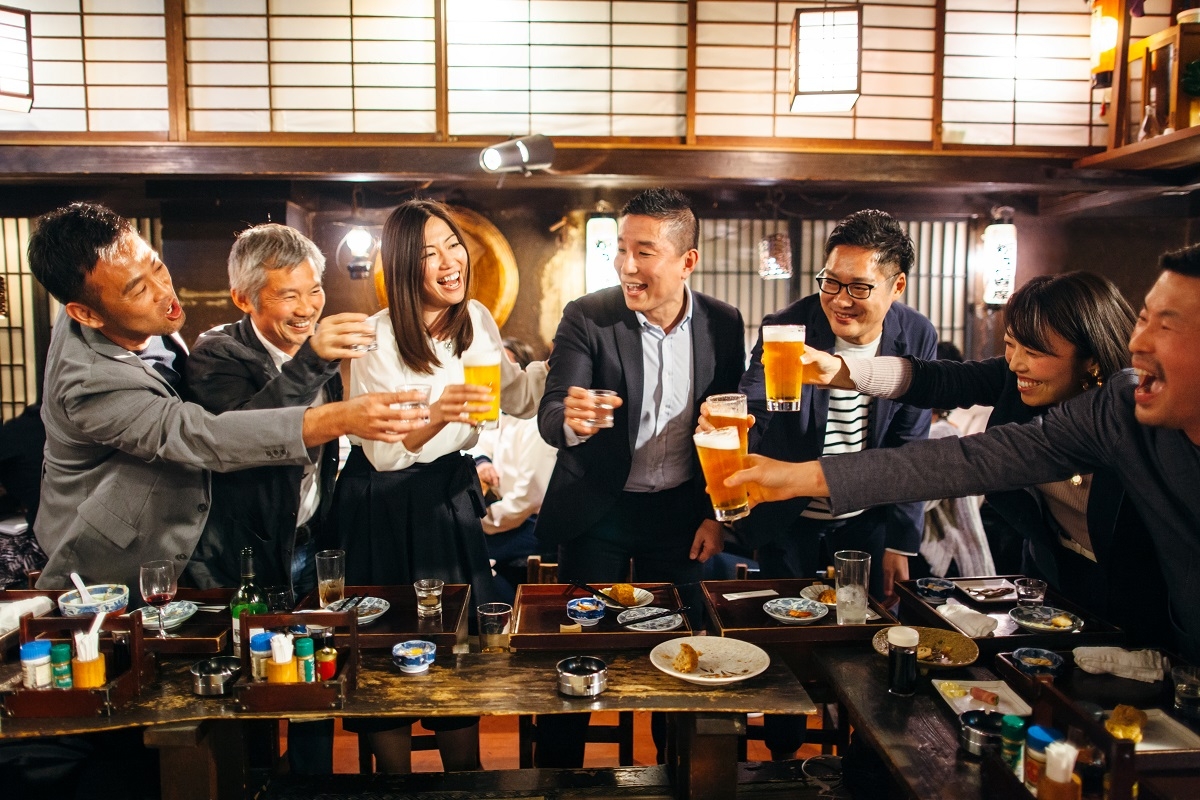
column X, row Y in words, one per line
column 382, row 371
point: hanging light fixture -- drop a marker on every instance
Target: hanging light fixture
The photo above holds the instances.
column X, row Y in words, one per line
column 525, row 154
column 999, row 257
column 356, row 251
column 826, row 59
column 1103, row 41
column 16, row 60
column 775, row 249
column 600, row 237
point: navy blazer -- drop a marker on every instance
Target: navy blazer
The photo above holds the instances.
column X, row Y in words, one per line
column 599, row 346
column 800, row 435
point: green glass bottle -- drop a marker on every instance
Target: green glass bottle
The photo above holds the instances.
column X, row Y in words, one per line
column 248, row 597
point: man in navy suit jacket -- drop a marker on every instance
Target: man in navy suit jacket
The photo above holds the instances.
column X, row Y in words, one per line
column 635, row 491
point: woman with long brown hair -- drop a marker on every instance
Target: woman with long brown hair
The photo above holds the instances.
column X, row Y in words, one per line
column 412, row 510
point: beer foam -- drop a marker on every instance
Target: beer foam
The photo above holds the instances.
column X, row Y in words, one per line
column 481, row 358
column 720, row 439
column 783, row 333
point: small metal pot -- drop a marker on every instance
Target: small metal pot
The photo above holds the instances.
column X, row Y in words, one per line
column 582, row 676
column 213, row 677
column 979, row 732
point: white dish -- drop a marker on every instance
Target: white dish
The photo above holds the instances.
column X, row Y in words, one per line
column 1037, row 618
column 813, row 592
column 369, row 609
column 1010, row 702
column 174, row 615
column 641, row 597
column 784, row 609
column 1163, row 732
column 722, row 660
column 986, row 584
column 630, row 616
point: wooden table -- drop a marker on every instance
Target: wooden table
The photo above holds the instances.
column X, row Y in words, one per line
column 194, row 733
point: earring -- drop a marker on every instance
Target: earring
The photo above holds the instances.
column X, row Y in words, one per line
column 1093, row 378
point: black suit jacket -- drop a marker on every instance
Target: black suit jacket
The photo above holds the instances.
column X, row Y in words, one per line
column 599, row 346
column 230, row 369
column 800, row 435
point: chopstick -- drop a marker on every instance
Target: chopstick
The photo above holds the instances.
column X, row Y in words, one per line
column 608, row 599
column 345, row 605
column 679, row 611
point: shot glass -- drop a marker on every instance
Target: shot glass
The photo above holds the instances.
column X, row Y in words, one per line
column 429, row 596
column 853, row 571
column 373, row 343
column 602, row 402
column 1030, row 592
column 495, row 622
column 279, row 599
column 1187, row 691
column 421, row 403
column 331, row 576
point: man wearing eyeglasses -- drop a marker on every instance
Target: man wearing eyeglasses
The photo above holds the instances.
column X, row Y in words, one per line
column 867, row 258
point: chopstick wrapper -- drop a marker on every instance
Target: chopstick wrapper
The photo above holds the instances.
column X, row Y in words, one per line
column 973, row 623
column 748, row 595
column 1147, row 666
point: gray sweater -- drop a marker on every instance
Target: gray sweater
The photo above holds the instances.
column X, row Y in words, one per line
column 1159, row 467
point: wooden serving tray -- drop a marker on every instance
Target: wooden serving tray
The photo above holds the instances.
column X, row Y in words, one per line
column 125, row 681
column 746, row 620
column 1105, row 690
column 206, row 633
column 541, row 607
column 252, row 695
column 400, row 622
column 1008, row 635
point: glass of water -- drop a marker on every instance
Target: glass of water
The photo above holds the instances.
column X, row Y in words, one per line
column 853, row 571
column 1031, row 592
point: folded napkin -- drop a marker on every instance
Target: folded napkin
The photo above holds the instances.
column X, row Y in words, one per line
column 11, row 613
column 972, row 623
column 1140, row 665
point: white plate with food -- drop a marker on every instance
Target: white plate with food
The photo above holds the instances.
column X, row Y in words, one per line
column 965, row 696
column 821, row 592
column 1046, row 619
column 795, row 610
column 641, row 597
column 173, row 615
column 988, row 590
column 710, row 660
column 1162, row 732
column 630, row 616
column 368, row 609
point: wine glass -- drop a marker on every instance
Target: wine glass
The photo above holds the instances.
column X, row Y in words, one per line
column 158, row 587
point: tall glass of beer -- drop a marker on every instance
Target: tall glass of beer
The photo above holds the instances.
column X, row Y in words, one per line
column 729, row 411
column 720, row 454
column 782, row 347
column 482, row 368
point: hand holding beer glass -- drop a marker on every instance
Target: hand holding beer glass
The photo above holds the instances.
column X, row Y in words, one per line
column 722, row 454
column 783, row 370
column 729, row 411
column 481, row 367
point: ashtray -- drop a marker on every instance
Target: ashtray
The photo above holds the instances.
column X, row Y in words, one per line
column 414, row 656
column 582, row 676
column 979, row 732
column 212, row 677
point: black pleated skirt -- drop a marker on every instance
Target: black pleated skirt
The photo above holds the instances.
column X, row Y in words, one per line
column 418, row 522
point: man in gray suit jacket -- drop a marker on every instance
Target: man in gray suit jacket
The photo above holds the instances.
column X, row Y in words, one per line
column 126, row 476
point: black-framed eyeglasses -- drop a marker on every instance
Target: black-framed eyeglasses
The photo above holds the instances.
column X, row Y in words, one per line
column 859, row 291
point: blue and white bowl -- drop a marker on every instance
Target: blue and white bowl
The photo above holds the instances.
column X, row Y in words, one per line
column 1031, row 661
column 414, row 656
column 109, row 597
column 585, row 610
column 935, row 590
column 795, row 610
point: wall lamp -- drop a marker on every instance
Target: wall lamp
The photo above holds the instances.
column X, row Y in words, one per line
column 356, row 251
column 16, row 60
column 1000, row 257
column 518, row 155
column 825, row 73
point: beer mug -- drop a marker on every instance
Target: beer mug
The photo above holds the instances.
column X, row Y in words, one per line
column 482, row 368
column 720, row 454
column 729, row 411
column 783, row 345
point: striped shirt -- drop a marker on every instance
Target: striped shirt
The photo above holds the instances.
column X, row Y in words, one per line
column 848, row 424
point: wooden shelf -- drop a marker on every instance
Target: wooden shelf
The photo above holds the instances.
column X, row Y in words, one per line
column 1169, row 151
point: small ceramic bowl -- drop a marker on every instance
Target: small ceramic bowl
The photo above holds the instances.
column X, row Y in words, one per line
column 585, row 610
column 935, row 588
column 110, row 597
column 1032, row 661
column 413, row 656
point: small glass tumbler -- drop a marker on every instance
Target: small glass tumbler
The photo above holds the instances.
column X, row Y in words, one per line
column 1031, row 592
column 429, row 596
column 1187, row 691
column 495, row 622
column 372, row 338
column 602, row 402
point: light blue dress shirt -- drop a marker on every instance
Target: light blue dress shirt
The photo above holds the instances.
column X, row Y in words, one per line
column 662, row 455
